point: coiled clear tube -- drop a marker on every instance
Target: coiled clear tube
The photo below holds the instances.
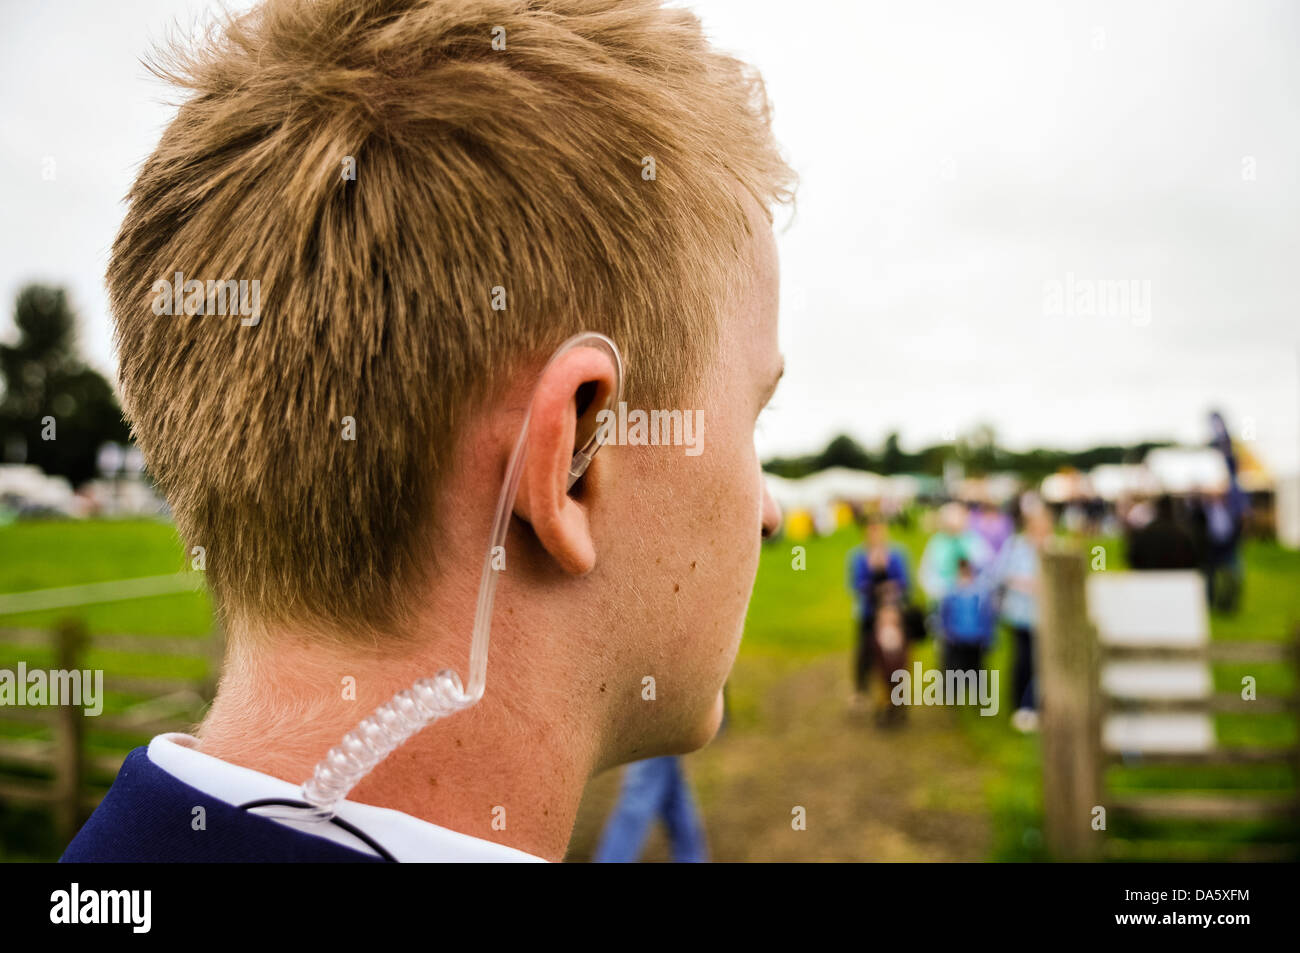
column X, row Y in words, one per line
column 378, row 735
column 429, row 699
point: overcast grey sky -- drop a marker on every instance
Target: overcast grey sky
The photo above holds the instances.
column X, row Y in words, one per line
column 959, row 161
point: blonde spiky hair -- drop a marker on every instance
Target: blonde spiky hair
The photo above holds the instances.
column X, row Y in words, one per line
column 517, row 164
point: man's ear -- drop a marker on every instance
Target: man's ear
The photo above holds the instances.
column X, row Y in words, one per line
column 562, row 412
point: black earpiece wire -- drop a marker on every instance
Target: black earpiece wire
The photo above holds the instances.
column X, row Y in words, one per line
column 350, row 828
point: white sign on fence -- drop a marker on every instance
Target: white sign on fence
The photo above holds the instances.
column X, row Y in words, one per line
column 1149, row 609
column 1153, row 610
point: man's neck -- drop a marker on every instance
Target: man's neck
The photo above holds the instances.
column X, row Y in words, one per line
column 510, row 770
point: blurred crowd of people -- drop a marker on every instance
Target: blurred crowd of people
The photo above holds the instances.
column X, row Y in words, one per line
column 981, row 571
column 981, row 567
column 1201, row 532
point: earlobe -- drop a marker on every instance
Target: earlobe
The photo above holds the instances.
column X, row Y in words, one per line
column 559, row 521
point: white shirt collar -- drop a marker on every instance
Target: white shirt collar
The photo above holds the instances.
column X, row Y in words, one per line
column 407, row 838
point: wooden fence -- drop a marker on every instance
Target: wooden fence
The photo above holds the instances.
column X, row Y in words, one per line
column 1074, row 708
column 59, row 756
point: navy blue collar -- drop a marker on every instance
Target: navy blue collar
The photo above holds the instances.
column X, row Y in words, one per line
column 151, row 817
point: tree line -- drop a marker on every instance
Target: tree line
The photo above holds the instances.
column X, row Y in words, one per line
column 977, row 452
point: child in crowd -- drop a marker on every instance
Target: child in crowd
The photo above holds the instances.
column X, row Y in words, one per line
column 968, row 616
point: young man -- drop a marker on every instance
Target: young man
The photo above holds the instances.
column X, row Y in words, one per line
column 431, row 196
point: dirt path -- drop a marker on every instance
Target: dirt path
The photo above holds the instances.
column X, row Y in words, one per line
column 912, row 794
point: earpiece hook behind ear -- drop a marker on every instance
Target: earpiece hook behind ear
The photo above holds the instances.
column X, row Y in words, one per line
column 432, row 698
column 583, row 455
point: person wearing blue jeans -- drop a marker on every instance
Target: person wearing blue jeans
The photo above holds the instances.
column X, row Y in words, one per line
column 652, row 789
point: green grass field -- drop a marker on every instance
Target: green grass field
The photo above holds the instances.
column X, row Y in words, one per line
column 805, row 614
column 951, row 785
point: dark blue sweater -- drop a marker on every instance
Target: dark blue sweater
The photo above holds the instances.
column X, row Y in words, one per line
column 148, row 817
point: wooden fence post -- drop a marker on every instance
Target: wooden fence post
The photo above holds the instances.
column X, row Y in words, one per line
column 69, row 724
column 1070, row 708
column 1295, row 711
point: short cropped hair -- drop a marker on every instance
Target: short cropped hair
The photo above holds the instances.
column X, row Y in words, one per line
column 393, row 173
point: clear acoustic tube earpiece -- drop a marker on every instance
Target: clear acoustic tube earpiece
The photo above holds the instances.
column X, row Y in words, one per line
column 429, row 699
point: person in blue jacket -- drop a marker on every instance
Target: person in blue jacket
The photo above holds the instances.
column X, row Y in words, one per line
column 877, row 576
column 969, row 615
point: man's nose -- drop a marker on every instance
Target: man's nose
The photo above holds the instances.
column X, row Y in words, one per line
column 771, row 513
